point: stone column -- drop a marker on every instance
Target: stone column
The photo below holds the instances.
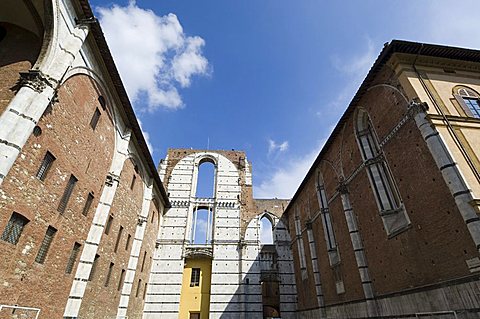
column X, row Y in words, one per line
column 359, row 251
column 316, row 272
column 38, row 89
column 135, row 253
column 96, row 231
column 449, row 169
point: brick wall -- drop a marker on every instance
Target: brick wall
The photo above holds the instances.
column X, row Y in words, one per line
column 101, row 300
column 67, row 135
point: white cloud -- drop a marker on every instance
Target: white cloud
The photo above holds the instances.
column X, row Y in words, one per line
column 274, row 147
column 285, row 179
column 152, row 53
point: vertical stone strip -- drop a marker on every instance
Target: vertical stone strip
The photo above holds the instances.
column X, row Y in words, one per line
column 96, row 231
column 316, row 272
column 449, row 169
column 359, row 251
column 37, row 91
column 135, row 253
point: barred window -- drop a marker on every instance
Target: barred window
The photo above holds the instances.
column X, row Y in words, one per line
column 44, row 247
column 67, row 193
column 45, row 166
column 94, row 268
column 109, row 224
column 119, row 236
column 120, row 282
column 109, row 274
column 14, row 228
column 88, row 204
column 195, row 278
column 73, row 258
column 95, row 118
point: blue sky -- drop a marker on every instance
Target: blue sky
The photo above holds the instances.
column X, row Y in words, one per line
column 268, row 77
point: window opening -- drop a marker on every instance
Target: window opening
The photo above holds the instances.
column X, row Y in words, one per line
column 205, row 180
column 73, row 258
column 88, row 204
column 266, row 231
column 300, row 247
column 67, row 193
column 132, row 184
column 44, row 247
column 109, row 274
column 95, row 118
column 102, row 102
column 94, row 267
column 120, row 282
column 143, row 261
column 202, row 226
column 119, row 236
column 144, row 291
column 195, row 278
column 128, row 241
column 325, row 213
column 138, row 287
column 109, row 224
column 45, row 166
column 14, row 228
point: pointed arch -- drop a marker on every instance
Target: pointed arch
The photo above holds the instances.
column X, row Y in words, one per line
column 266, row 229
column 387, row 197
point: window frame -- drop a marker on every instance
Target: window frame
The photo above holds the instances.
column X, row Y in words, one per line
column 468, row 94
column 45, row 245
column 195, row 277
column 45, row 166
column 9, row 228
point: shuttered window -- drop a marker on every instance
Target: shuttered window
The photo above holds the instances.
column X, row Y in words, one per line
column 45, row 246
column 67, row 193
column 45, row 166
column 73, row 258
column 14, row 228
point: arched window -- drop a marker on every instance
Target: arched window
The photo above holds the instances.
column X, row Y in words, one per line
column 205, row 180
column 202, row 226
column 266, row 231
column 391, row 209
column 468, row 99
column 327, row 221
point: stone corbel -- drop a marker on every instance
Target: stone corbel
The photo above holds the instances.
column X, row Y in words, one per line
column 36, row 80
column 141, row 220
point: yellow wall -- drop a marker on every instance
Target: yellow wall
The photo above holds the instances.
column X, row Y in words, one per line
column 196, row 299
column 441, row 84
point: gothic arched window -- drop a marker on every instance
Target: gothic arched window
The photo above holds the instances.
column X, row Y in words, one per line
column 205, row 180
column 266, row 231
column 387, row 197
column 327, row 221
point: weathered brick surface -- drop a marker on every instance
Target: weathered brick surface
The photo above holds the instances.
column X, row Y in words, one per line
column 432, row 250
column 18, row 52
column 101, row 300
column 136, row 302
column 78, row 150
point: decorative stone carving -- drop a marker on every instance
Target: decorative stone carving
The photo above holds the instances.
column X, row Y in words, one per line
column 35, row 80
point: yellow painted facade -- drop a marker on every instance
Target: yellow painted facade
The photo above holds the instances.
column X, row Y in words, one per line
column 196, row 299
column 460, row 133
